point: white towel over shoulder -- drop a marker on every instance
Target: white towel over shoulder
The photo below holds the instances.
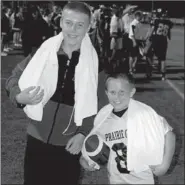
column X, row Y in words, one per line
column 42, row 71
column 145, row 135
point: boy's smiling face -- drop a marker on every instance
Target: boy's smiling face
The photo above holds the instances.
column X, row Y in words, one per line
column 74, row 26
column 119, row 92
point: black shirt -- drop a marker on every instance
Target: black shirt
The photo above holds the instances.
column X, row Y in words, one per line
column 162, row 27
column 65, row 89
column 5, row 24
column 120, row 113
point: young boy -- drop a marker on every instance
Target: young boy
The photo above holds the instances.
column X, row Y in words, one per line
column 141, row 142
column 134, row 26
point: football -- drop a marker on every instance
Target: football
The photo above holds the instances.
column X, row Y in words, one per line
column 97, row 150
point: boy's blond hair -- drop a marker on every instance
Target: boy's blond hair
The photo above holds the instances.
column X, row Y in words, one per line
column 124, row 76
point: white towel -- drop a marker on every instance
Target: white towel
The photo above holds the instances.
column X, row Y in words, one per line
column 42, row 71
column 145, row 135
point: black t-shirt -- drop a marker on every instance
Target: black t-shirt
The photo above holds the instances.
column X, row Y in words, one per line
column 5, row 24
column 65, row 90
column 120, row 113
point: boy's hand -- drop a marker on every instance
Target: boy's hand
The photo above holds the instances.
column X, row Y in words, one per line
column 27, row 97
column 85, row 165
column 74, row 145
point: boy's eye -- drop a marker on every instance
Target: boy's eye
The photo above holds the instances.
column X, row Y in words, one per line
column 68, row 23
column 80, row 25
column 122, row 92
column 113, row 92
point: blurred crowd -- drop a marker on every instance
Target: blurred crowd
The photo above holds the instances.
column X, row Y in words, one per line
column 28, row 27
column 114, row 30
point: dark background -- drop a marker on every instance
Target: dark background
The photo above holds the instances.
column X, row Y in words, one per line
column 175, row 8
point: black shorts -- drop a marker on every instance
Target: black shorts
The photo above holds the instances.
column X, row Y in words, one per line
column 160, row 45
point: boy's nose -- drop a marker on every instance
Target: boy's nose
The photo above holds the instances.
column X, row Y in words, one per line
column 73, row 27
column 117, row 97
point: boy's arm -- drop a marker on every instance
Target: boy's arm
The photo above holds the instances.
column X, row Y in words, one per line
column 11, row 85
column 128, row 8
column 87, row 126
column 88, row 123
column 169, row 150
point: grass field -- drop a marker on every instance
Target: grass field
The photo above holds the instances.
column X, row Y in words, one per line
column 158, row 94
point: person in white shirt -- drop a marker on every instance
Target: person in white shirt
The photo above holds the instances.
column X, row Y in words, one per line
column 133, row 49
column 116, row 32
column 113, row 129
column 127, row 17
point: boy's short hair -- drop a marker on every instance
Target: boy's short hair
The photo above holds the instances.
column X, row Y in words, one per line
column 138, row 14
column 78, row 7
column 123, row 76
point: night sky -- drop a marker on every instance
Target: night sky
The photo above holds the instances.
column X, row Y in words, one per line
column 175, row 8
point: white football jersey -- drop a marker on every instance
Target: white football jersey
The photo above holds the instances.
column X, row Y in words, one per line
column 114, row 133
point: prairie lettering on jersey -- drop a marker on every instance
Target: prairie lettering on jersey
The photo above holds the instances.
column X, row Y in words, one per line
column 116, row 135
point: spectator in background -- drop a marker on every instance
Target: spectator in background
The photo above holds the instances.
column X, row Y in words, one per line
column 17, row 25
column 159, row 35
column 127, row 18
column 116, row 28
column 48, row 30
column 134, row 50
column 104, row 30
column 56, row 21
column 33, row 34
column 54, row 14
column 5, row 31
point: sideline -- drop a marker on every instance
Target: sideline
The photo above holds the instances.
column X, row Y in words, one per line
column 172, row 85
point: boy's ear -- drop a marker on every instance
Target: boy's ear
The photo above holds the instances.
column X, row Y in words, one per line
column 106, row 92
column 89, row 28
column 133, row 91
column 61, row 22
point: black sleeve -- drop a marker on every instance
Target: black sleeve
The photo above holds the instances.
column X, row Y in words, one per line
column 11, row 86
column 87, row 125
